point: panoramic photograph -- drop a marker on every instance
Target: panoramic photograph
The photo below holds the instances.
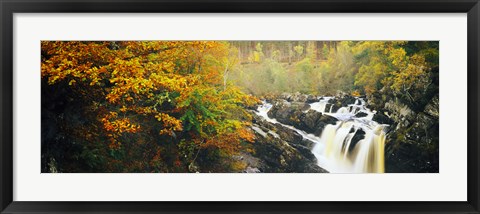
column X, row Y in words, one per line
column 239, row 106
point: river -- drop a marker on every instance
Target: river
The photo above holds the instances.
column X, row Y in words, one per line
column 333, row 148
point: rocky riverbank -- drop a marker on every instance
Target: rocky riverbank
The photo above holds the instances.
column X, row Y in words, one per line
column 413, row 141
column 280, row 149
column 281, row 144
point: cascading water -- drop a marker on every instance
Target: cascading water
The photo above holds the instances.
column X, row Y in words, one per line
column 334, row 150
column 321, row 105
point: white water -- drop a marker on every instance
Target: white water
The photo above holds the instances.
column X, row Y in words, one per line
column 332, row 148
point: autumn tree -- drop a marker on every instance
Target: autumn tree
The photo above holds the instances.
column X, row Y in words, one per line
column 396, row 67
column 151, row 103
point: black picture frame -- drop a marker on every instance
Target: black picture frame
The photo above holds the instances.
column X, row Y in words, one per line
column 9, row 7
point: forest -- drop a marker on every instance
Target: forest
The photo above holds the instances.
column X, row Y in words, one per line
column 239, row 106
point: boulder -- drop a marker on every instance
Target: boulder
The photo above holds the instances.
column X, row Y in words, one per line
column 305, row 107
column 261, row 122
column 359, row 135
column 284, row 111
column 311, row 99
column 307, row 143
column 289, row 113
column 361, row 114
column 333, row 105
column 309, row 121
column 278, row 148
column 338, row 102
column 280, row 156
column 381, row 118
column 347, row 100
column 281, row 111
column 322, row 122
column 305, row 151
column 287, row 134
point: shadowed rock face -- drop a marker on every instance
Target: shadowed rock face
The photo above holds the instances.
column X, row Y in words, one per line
column 339, row 102
column 310, row 121
column 312, row 99
column 361, row 114
column 294, row 114
column 359, row 135
column 381, row 118
column 413, row 141
column 279, row 149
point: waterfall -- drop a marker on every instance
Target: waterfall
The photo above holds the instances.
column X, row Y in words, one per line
column 321, row 105
column 333, row 148
column 334, row 153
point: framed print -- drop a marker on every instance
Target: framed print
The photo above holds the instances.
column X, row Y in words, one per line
column 257, row 107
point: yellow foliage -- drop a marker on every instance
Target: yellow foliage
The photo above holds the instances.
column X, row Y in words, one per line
column 387, row 64
column 355, row 93
column 140, row 87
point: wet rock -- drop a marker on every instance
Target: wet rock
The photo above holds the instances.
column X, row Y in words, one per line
column 259, row 131
column 286, row 112
column 289, row 113
column 381, row 118
column 338, row 102
column 432, row 108
column 331, row 100
column 311, row 99
column 322, row 122
column 277, row 155
column 361, row 114
column 305, row 151
column 281, row 111
column 313, row 168
column 347, row 100
column 307, row 143
column 333, row 107
column 276, row 106
column 305, row 107
column 281, row 149
column 303, row 144
column 287, row 134
column 309, row 121
column 261, row 122
column 359, row 135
